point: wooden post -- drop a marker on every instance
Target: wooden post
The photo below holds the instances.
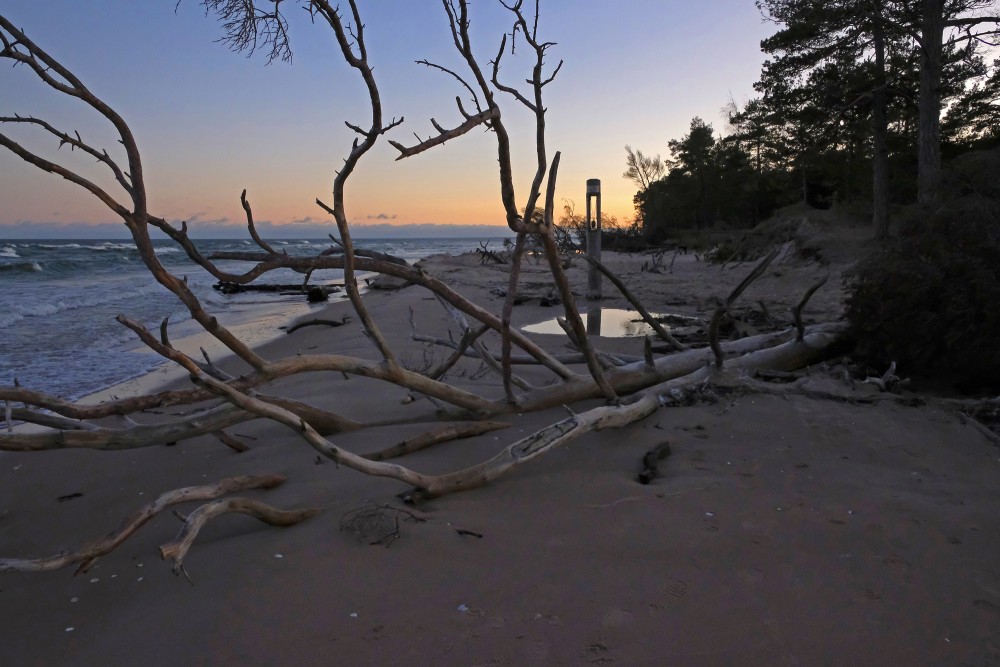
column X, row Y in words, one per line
column 594, row 251
column 594, row 237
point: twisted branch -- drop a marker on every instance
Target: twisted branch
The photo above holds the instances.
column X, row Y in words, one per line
column 88, row 554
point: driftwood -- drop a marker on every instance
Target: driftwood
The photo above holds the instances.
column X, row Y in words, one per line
column 486, row 255
column 723, row 309
column 280, row 288
column 361, row 252
column 797, row 310
column 88, row 554
column 640, row 308
column 230, row 441
column 651, row 462
column 632, row 387
column 443, row 434
column 178, row 548
column 316, row 321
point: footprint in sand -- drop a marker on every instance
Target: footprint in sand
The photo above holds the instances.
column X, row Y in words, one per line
column 989, row 582
column 540, row 650
column 677, row 588
column 617, row 618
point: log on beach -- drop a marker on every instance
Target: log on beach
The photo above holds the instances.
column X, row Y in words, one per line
column 284, row 289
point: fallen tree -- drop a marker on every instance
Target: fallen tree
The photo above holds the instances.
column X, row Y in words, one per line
column 631, row 389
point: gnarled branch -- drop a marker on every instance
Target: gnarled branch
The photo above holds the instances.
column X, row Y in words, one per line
column 88, row 554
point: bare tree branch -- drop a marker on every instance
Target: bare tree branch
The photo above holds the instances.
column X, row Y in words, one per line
column 251, row 227
column 438, row 435
column 723, row 309
column 246, row 27
column 88, row 554
column 359, row 62
column 471, row 122
column 75, row 142
column 797, row 310
column 177, row 549
column 636, row 303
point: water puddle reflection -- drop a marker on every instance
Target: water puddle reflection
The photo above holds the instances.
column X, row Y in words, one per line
column 617, row 323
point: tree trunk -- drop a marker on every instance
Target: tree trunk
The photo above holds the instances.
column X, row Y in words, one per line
column 880, row 129
column 929, row 128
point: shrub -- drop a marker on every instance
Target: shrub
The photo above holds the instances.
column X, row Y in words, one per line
column 931, row 299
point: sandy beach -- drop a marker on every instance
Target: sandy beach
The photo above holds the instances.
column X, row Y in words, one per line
column 783, row 529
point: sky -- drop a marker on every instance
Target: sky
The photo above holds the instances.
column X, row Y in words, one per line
column 210, row 122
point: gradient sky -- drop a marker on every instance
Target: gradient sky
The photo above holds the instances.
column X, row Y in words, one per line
column 210, row 122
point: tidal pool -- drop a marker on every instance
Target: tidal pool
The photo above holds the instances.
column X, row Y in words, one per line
column 615, row 323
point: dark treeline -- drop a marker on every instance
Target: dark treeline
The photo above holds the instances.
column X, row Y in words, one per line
column 858, row 103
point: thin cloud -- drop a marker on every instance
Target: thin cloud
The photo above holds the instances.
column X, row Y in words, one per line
column 197, row 220
column 429, row 230
column 308, row 220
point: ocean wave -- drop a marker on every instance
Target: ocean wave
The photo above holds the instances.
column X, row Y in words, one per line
column 8, row 319
column 19, row 312
column 21, row 267
column 111, row 245
column 60, row 246
column 99, row 246
column 8, row 251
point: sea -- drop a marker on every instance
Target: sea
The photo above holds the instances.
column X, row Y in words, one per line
column 59, row 300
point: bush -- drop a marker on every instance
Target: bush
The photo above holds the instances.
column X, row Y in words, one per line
column 931, row 300
column 624, row 239
column 974, row 173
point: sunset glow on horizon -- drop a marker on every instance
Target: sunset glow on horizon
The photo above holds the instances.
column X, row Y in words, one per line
column 210, row 122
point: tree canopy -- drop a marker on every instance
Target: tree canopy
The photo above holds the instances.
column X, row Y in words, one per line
column 857, row 102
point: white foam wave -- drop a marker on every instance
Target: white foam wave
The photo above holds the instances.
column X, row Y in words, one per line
column 19, row 312
column 8, row 251
column 32, row 267
column 9, row 318
column 167, row 250
column 111, row 245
